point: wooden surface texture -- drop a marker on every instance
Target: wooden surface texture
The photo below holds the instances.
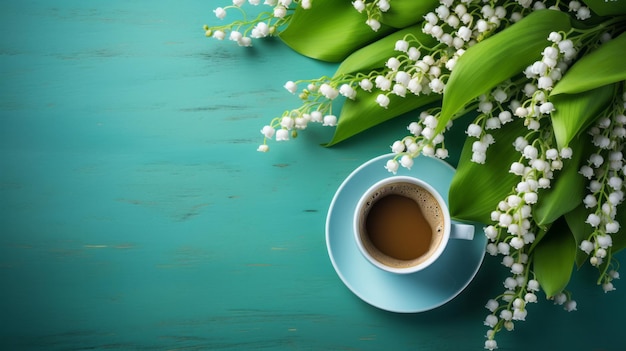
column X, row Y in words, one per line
column 136, row 213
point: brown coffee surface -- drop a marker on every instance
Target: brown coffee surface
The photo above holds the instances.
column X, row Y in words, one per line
column 397, row 227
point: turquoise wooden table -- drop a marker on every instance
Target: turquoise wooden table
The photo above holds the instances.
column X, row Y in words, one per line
column 136, row 213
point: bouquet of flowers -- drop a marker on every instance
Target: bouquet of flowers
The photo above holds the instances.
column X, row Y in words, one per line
column 543, row 81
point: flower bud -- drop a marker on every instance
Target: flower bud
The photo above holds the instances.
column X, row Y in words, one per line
column 392, row 166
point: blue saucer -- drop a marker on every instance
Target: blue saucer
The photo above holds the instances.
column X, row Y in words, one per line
column 407, row 293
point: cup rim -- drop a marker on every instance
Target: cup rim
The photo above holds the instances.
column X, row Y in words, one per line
column 446, row 217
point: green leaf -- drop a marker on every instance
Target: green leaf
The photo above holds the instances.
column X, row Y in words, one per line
column 376, row 54
column 607, row 8
column 580, row 230
column 575, row 112
column 541, row 233
column 553, row 258
column 498, row 58
column 329, row 31
column 603, row 66
column 476, row 189
column 404, row 13
column 364, row 112
column 567, row 188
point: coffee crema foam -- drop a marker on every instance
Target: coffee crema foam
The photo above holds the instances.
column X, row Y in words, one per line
column 427, row 204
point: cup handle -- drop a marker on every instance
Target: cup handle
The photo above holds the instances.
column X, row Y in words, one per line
column 461, row 231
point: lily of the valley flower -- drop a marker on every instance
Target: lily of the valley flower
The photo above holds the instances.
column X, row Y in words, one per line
column 524, row 104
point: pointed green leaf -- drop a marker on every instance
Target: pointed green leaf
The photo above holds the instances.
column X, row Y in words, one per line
column 476, row 189
column 580, row 230
column 541, row 233
column 376, row 54
column 567, row 188
column 317, row 34
column 364, row 112
column 575, row 112
column 607, row 8
column 404, row 13
column 498, row 58
column 553, row 258
column 603, row 66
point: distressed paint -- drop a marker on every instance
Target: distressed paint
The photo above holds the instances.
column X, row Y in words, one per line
column 136, row 213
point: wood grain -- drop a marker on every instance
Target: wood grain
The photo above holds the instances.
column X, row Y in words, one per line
column 136, row 213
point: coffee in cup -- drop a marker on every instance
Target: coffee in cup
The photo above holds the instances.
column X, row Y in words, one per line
column 402, row 225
